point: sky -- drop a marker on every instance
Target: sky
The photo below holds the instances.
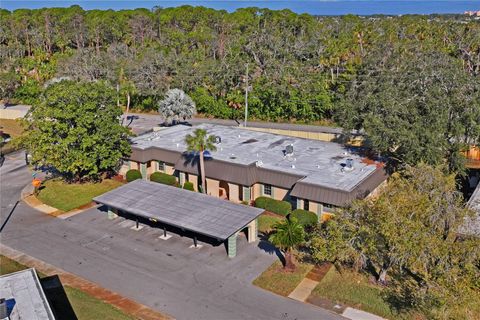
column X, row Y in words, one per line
column 319, row 7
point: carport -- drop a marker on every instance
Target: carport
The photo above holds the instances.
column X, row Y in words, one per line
column 187, row 210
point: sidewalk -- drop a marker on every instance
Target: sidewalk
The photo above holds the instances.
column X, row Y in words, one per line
column 304, row 289
column 129, row 306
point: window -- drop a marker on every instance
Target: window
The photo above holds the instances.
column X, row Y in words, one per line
column 245, row 194
column 267, row 190
column 161, row 166
column 306, row 204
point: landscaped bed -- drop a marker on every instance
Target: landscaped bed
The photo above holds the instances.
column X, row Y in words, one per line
column 274, row 279
column 84, row 305
column 63, row 196
column 355, row 290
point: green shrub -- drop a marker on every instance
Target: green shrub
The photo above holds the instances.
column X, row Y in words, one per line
column 305, row 217
column 276, row 206
column 261, row 202
column 133, row 174
column 163, row 178
column 188, row 186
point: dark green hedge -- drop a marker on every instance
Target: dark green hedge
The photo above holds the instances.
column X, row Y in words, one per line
column 188, row 186
column 132, row 175
column 276, row 206
column 305, row 217
column 163, row 178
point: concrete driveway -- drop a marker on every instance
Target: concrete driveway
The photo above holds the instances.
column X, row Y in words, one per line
column 166, row 275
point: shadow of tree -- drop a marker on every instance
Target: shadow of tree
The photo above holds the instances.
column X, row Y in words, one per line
column 266, row 246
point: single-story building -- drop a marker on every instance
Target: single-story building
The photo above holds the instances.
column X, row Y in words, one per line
column 311, row 174
column 195, row 212
column 22, row 297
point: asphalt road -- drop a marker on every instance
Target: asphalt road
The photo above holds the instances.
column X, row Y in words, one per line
column 167, row 275
column 144, row 122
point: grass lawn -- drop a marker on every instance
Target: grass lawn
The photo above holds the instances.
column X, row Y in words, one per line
column 85, row 306
column 353, row 289
column 66, row 197
column 14, row 129
column 274, row 279
column 11, row 126
column 266, row 222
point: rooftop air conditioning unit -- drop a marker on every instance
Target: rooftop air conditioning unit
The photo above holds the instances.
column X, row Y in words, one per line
column 348, row 164
column 289, row 150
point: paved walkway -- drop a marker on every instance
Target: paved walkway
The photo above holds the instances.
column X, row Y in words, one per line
column 126, row 305
column 304, row 289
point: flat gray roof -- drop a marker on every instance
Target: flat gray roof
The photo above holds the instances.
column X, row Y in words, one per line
column 181, row 208
column 23, row 291
column 318, row 162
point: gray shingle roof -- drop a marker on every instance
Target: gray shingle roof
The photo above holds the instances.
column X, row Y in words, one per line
column 185, row 209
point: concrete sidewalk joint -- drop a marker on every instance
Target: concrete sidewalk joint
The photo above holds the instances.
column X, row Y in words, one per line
column 128, row 306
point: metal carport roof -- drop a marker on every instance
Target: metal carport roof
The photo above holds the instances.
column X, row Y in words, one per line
column 181, row 208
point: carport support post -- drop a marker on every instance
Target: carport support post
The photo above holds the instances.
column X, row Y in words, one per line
column 143, row 170
column 252, row 231
column 164, row 231
column 195, row 241
column 111, row 214
column 232, row 245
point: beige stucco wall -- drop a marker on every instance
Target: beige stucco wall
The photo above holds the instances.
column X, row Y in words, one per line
column 152, row 168
column 234, row 190
column 169, row 169
column 256, row 191
column 300, row 134
column 279, row 193
column 134, row 165
column 212, row 187
column 123, row 170
column 194, row 180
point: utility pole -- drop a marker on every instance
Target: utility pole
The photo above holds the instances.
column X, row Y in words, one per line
column 246, row 98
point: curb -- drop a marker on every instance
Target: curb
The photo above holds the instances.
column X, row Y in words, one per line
column 122, row 303
column 29, row 198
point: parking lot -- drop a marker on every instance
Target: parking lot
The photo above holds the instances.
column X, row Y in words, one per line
column 166, row 275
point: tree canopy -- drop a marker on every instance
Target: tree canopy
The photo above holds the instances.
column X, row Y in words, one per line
column 410, row 237
column 75, row 130
column 409, row 82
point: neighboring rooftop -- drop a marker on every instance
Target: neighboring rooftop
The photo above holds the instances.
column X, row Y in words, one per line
column 24, row 296
column 472, row 225
column 318, row 162
column 181, row 208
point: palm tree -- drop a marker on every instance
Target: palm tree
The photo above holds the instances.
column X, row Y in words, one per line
column 176, row 105
column 287, row 235
column 199, row 142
